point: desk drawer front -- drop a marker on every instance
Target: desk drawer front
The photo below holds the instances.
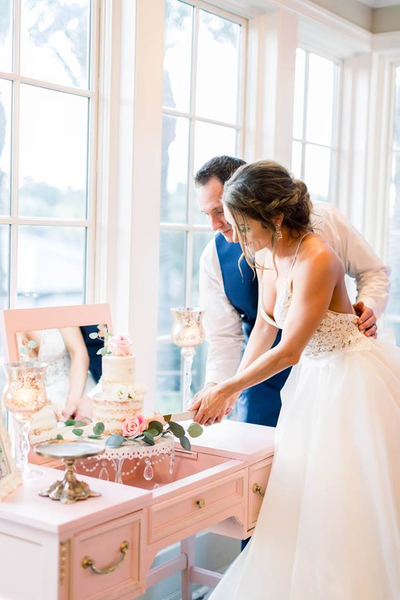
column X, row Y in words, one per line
column 115, row 544
column 176, row 514
column 258, row 479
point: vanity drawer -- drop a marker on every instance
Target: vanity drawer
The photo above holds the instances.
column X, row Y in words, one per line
column 114, row 544
column 258, row 479
column 179, row 513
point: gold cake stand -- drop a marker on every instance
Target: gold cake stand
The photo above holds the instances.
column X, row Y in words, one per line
column 69, row 490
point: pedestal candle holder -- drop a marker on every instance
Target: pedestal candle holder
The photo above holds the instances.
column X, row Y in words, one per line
column 24, row 394
column 187, row 333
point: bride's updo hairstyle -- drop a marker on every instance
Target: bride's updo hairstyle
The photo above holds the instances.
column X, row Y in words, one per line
column 262, row 191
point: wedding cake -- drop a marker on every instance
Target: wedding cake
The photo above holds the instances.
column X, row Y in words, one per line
column 121, row 397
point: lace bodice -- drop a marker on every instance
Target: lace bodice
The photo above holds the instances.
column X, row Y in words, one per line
column 52, row 350
column 336, row 332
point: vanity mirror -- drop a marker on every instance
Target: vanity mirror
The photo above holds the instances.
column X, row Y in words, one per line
column 60, row 337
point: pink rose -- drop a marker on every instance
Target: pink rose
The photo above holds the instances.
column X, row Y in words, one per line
column 134, row 425
column 156, row 416
column 120, row 345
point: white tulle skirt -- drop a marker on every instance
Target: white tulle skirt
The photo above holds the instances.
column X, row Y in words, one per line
column 329, row 526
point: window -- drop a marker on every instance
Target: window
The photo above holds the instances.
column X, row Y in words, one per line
column 393, row 221
column 314, row 150
column 47, row 108
column 202, row 117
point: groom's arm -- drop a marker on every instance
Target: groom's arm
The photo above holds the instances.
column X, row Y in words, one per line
column 222, row 322
column 360, row 260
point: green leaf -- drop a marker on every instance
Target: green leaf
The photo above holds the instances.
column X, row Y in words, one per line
column 167, row 418
column 98, row 428
column 156, row 425
column 115, row 440
column 77, row 432
column 153, row 432
column 59, row 436
column 94, row 335
column 148, row 435
column 102, row 351
column 69, row 422
column 194, row 430
column 176, row 429
column 149, row 440
column 94, row 437
column 185, row 443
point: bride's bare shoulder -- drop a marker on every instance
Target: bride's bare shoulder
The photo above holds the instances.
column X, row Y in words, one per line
column 317, row 251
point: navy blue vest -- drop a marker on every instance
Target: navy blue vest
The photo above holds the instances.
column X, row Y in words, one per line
column 261, row 403
column 92, row 346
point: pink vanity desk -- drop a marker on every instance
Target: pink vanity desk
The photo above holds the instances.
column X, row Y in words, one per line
column 217, row 486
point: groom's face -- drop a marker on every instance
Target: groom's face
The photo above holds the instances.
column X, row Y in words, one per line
column 210, row 203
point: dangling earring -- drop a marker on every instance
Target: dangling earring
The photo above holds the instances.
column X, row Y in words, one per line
column 278, row 232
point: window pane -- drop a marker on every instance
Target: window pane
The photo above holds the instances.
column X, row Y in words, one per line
column 53, row 154
column 6, row 17
column 396, row 127
column 296, row 159
column 171, row 291
column 4, row 267
column 201, row 239
column 218, row 68
column 55, row 41
column 5, row 145
column 51, row 266
column 393, row 243
column 211, row 140
column 175, row 165
column 317, row 171
column 177, row 55
column 320, row 100
column 168, row 395
column 300, row 76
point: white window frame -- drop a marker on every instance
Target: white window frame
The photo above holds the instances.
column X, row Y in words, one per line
column 14, row 220
column 335, row 145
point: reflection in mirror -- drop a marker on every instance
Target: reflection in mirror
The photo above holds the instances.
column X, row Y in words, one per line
column 4, row 466
column 74, row 369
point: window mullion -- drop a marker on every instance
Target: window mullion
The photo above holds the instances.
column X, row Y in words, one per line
column 305, row 112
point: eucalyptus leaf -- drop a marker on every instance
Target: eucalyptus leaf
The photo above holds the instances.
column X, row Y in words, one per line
column 115, row 440
column 148, row 440
column 185, row 443
column 59, row 436
column 176, row 429
column 156, row 425
column 94, row 437
column 69, row 422
column 94, row 335
column 153, row 432
column 194, row 430
column 98, row 428
column 77, row 432
column 148, row 435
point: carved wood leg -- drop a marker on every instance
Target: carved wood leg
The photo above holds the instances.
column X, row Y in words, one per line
column 187, row 548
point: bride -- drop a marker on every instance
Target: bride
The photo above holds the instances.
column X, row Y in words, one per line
column 329, row 526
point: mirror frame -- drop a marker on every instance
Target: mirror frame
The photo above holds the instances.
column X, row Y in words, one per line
column 53, row 317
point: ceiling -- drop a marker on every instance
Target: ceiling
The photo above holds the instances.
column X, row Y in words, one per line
column 380, row 3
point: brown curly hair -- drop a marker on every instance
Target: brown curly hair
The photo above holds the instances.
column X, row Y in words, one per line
column 265, row 190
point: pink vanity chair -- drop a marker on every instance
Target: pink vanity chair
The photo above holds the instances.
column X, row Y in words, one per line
column 103, row 548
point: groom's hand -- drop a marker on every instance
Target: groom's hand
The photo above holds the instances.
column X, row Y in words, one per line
column 367, row 319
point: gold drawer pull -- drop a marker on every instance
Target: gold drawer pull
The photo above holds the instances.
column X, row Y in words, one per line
column 201, row 503
column 88, row 562
column 257, row 489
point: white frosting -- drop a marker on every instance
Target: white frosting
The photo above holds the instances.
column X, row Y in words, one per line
column 43, row 422
column 117, row 371
column 113, row 414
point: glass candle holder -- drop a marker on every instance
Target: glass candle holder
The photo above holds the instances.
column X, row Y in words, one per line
column 25, row 394
column 187, row 333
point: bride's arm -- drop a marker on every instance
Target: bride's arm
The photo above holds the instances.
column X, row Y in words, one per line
column 315, row 281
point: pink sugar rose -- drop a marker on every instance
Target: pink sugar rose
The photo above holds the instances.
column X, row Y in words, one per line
column 156, row 416
column 120, row 345
column 134, row 425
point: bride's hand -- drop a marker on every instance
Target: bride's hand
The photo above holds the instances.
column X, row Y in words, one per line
column 212, row 404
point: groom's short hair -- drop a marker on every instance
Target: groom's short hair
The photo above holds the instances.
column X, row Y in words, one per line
column 220, row 167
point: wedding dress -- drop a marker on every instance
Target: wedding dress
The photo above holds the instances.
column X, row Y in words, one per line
column 329, row 525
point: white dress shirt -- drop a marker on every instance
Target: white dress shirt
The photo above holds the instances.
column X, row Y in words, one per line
column 223, row 323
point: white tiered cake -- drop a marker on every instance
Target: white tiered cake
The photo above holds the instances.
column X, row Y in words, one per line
column 120, row 397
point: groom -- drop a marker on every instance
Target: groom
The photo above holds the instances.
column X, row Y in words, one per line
column 230, row 297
